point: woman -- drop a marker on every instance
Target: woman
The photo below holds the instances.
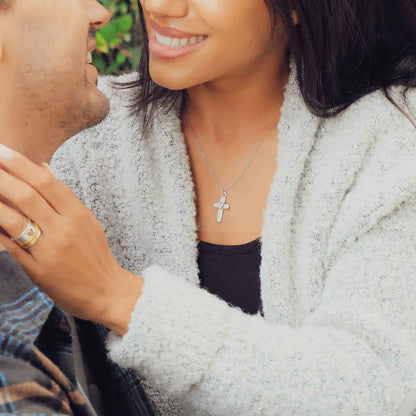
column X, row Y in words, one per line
column 317, row 316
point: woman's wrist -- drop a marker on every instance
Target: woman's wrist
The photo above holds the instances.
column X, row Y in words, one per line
column 122, row 301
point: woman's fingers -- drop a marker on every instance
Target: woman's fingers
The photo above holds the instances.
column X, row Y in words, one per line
column 26, row 199
column 14, row 223
column 41, row 178
column 23, row 257
column 11, row 221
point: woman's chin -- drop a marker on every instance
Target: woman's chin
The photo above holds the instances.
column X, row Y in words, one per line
column 173, row 81
column 170, row 84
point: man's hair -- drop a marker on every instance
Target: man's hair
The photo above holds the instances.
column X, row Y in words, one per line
column 342, row 49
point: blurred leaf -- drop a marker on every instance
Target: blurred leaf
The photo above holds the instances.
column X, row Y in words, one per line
column 121, row 58
column 99, row 63
column 114, row 42
column 124, row 23
column 109, row 32
column 101, row 43
column 114, row 67
column 118, row 43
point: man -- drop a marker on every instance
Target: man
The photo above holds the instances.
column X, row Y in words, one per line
column 48, row 93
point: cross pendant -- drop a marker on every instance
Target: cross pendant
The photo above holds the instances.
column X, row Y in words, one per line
column 221, row 206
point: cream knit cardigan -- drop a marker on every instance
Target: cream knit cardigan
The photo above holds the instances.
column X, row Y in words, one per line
column 338, row 270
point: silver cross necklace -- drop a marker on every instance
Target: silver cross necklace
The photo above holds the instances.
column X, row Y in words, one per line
column 222, row 204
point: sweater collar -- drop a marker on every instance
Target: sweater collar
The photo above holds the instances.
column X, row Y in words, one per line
column 296, row 129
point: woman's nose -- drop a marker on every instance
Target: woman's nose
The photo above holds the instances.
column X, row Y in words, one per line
column 170, row 8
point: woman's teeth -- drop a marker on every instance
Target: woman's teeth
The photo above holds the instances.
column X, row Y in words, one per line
column 88, row 59
column 179, row 42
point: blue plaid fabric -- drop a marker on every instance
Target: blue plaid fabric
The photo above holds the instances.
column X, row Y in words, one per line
column 37, row 371
column 23, row 318
column 34, row 337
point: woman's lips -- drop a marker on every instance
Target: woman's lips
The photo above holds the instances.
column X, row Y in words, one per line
column 170, row 52
column 171, row 32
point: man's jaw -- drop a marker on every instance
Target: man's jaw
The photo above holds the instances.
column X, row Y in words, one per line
column 39, row 140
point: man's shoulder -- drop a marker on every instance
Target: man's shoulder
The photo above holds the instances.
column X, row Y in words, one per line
column 34, row 383
column 32, row 333
column 16, row 289
column 23, row 307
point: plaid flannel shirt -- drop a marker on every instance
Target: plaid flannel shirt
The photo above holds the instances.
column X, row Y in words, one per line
column 37, row 370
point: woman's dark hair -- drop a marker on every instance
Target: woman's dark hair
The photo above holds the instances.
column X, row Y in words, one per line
column 343, row 50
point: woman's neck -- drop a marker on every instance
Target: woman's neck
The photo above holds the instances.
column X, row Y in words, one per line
column 227, row 109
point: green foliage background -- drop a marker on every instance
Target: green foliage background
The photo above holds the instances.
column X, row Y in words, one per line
column 118, row 43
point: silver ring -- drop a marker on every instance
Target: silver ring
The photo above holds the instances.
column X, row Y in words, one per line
column 29, row 236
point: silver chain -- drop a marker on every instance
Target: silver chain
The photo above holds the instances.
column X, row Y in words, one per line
column 225, row 190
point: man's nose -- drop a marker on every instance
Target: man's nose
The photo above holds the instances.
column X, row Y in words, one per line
column 99, row 16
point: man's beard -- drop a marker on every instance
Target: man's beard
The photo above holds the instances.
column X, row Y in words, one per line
column 90, row 113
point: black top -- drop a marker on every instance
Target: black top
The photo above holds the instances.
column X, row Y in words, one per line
column 232, row 273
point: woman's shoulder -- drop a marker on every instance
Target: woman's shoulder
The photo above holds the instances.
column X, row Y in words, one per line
column 121, row 94
column 376, row 114
column 381, row 143
column 384, row 132
column 384, row 129
column 114, row 86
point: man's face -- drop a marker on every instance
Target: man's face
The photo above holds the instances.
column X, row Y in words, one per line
column 44, row 49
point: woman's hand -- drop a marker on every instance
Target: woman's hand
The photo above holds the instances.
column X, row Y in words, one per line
column 71, row 261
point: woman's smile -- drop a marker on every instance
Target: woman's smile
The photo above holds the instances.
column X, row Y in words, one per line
column 166, row 47
column 166, row 42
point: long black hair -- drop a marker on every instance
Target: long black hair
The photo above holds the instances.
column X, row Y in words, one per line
column 343, row 50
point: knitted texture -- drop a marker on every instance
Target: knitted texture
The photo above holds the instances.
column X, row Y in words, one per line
column 338, row 271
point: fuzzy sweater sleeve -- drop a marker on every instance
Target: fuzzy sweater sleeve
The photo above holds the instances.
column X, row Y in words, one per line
column 355, row 355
